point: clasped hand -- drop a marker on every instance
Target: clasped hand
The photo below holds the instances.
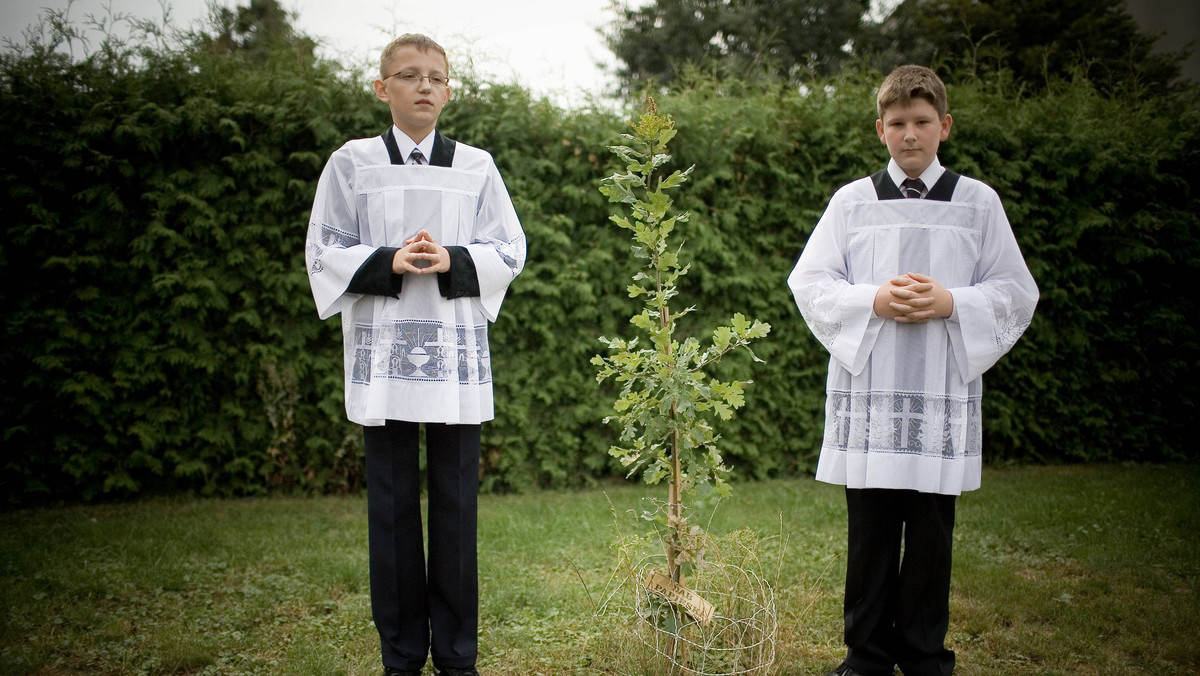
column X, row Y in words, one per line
column 913, row 298
column 420, row 255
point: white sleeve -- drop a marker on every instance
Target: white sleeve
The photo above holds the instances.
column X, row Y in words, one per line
column 333, row 250
column 497, row 247
column 839, row 313
column 991, row 314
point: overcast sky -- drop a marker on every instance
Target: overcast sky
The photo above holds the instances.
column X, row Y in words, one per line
column 549, row 46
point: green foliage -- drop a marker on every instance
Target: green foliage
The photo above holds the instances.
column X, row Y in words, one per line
column 260, row 31
column 157, row 326
column 159, row 333
column 663, row 42
column 667, row 400
column 657, row 41
column 1036, row 40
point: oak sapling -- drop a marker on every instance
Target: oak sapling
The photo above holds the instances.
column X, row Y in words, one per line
column 667, row 404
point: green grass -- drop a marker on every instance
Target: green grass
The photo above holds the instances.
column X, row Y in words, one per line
column 1068, row 570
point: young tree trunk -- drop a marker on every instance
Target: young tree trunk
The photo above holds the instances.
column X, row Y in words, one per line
column 675, row 510
column 674, row 492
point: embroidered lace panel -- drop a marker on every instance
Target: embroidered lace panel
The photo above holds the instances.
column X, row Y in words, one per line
column 1010, row 319
column 425, row 351
column 331, row 237
column 819, row 319
column 904, row 422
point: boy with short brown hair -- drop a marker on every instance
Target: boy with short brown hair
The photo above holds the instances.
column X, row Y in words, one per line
column 907, row 83
column 913, row 280
column 413, row 240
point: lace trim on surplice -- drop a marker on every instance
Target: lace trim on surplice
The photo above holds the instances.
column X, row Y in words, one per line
column 815, row 308
column 331, row 238
column 910, row 423
column 421, row 351
column 1009, row 318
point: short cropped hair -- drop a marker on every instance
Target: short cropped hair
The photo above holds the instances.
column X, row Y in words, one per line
column 912, row 82
column 422, row 42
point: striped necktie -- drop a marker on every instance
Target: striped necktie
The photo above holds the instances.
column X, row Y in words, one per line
column 416, row 157
column 913, row 188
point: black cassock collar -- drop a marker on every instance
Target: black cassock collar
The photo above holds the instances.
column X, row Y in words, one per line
column 443, row 149
column 942, row 191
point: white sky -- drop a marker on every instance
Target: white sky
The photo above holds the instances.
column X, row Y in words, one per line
column 549, row 46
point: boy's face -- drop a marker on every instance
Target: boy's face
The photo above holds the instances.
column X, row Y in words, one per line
column 912, row 134
column 415, row 106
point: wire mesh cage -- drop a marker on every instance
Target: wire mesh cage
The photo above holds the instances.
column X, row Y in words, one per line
column 738, row 640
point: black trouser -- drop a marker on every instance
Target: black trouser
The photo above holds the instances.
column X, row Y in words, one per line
column 897, row 609
column 418, row 613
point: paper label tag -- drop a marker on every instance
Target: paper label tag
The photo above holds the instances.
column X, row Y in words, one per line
column 697, row 607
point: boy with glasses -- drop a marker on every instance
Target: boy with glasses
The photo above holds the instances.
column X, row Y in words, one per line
column 914, row 282
column 413, row 239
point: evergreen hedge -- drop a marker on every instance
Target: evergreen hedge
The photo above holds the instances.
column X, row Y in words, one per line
column 158, row 330
column 159, row 334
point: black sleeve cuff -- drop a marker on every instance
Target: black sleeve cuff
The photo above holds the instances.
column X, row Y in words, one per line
column 461, row 280
column 375, row 277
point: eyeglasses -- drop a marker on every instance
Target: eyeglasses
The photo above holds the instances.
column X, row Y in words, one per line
column 410, row 78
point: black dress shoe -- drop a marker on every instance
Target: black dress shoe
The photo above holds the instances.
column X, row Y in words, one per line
column 469, row 671
column 393, row 671
column 844, row 669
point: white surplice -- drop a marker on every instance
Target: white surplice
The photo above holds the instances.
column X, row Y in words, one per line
column 903, row 400
column 418, row 356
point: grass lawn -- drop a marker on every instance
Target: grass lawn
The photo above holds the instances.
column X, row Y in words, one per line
column 1065, row 570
